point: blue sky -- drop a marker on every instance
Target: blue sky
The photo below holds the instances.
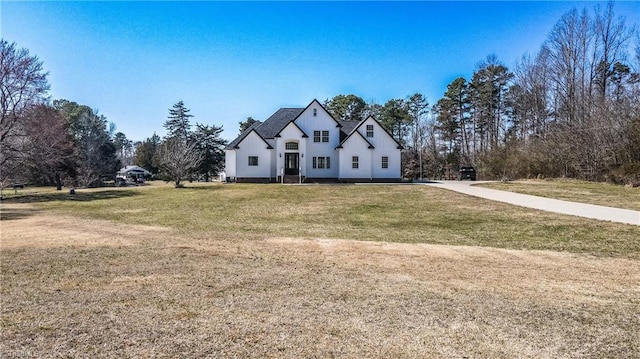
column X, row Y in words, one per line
column 229, row 60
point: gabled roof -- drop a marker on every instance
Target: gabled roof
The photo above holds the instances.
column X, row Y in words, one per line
column 338, row 124
column 234, row 144
column 357, row 126
column 355, row 131
column 304, row 135
column 253, row 128
column 272, row 126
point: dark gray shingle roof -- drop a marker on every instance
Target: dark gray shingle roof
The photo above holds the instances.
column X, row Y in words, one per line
column 274, row 124
column 347, row 127
column 270, row 127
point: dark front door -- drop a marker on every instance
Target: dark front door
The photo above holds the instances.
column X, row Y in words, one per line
column 291, row 163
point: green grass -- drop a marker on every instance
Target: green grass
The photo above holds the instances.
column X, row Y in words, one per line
column 410, row 214
column 577, row 191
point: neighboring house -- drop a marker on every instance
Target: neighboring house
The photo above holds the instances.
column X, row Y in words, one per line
column 133, row 172
column 308, row 144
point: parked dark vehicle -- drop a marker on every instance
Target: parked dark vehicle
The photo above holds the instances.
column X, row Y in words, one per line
column 467, row 173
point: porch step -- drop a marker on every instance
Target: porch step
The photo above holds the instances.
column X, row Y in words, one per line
column 291, row 179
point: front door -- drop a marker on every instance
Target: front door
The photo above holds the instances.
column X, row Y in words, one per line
column 291, row 164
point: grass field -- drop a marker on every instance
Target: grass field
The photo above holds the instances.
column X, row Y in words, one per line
column 310, row 271
column 408, row 214
column 577, row 191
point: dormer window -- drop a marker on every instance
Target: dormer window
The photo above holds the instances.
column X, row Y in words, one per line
column 315, row 112
column 369, row 130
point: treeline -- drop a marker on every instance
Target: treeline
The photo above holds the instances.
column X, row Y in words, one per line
column 572, row 110
column 43, row 142
column 64, row 143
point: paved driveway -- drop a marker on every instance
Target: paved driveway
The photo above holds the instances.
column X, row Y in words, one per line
column 545, row 204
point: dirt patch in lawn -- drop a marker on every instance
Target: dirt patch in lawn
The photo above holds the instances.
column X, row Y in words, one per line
column 92, row 289
column 25, row 226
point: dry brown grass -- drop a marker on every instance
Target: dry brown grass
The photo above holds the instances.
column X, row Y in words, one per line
column 78, row 288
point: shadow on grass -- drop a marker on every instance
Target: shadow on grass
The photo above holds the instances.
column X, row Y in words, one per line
column 80, row 196
column 8, row 214
column 188, row 187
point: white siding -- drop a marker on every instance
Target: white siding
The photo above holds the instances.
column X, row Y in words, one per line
column 384, row 146
column 321, row 122
column 230, row 163
column 253, row 145
column 355, row 146
column 289, row 134
column 272, row 159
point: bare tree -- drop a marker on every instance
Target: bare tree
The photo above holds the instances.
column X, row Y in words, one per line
column 178, row 159
column 23, row 83
column 47, row 146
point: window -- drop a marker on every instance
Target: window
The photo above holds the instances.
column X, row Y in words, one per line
column 315, row 112
column 354, row 162
column 325, row 136
column 369, row 130
column 385, row 162
column 316, row 136
column 253, row 160
column 291, row 146
column 321, row 162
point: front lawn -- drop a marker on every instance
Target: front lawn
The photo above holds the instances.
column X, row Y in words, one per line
column 393, row 213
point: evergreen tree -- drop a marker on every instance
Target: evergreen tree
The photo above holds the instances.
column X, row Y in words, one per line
column 346, row 107
column 177, row 124
column 211, row 147
column 246, row 124
column 146, row 154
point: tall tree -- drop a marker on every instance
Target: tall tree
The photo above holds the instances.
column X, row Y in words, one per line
column 394, row 116
column 418, row 108
column 124, row 148
column 447, row 127
column 489, row 84
column 372, row 109
column 346, row 107
column 178, row 124
column 611, row 35
column 246, row 124
column 211, row 147
column 146, row 154
column 47, row 146
column 23, row 83
column 94, row 148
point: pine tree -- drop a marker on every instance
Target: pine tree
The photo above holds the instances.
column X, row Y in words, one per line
column 178, row 125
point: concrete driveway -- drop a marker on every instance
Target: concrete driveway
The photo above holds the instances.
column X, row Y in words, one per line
column 602, row 213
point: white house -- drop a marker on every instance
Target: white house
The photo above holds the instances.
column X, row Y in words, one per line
column 308, row 144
